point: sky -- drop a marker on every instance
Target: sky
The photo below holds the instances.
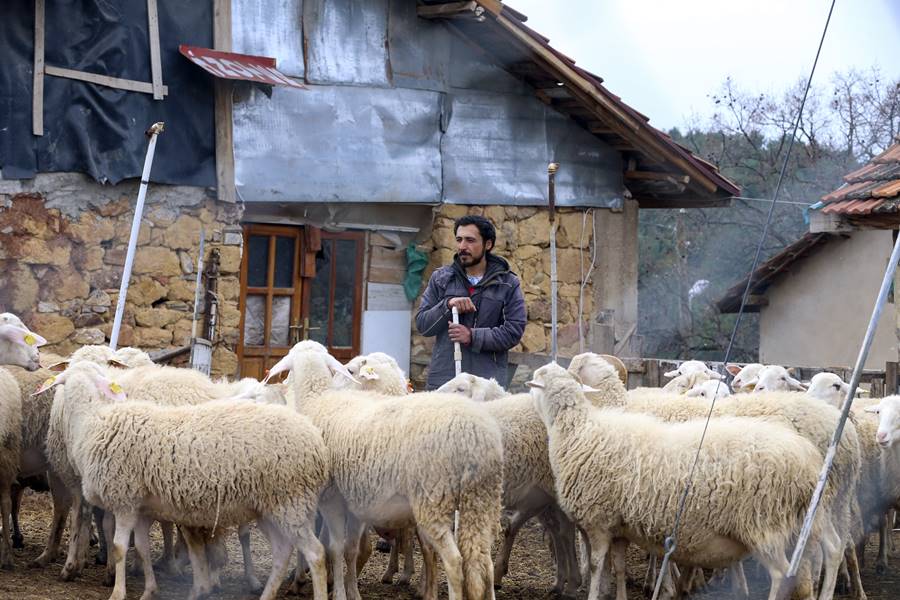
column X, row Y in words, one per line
column 665, row 57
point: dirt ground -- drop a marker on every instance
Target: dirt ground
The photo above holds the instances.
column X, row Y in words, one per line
column 530, row 576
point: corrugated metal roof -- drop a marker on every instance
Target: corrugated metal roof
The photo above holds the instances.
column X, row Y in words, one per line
column 871, row 189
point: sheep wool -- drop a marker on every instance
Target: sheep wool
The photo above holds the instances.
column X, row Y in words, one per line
column 10, row 454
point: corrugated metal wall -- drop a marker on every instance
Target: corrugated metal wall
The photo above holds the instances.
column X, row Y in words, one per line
column 399, row 109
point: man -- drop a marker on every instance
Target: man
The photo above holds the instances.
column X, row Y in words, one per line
column 490, row 302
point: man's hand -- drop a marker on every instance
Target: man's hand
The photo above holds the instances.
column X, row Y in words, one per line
column 460, row 333
column 462, row 304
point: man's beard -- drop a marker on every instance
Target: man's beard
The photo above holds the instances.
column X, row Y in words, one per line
column 468, row 260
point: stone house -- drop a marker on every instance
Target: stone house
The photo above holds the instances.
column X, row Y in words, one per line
column 376, row 124
column 816, row 296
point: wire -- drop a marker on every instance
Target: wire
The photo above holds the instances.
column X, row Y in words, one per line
column 671, row 543
column 584, row 278
column 770, row 200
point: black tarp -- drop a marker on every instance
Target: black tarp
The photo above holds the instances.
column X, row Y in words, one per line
column 99, row 130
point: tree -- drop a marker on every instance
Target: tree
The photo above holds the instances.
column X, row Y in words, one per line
column 746, row 138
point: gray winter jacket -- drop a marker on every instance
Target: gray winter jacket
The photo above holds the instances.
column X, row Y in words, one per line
column 497, row 325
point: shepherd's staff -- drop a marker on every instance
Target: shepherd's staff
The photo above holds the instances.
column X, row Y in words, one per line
column 154, row 131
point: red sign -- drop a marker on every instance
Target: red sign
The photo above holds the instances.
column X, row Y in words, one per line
column 229, row 65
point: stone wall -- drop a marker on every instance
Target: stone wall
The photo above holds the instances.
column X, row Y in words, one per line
column 523, row 238
column 63, row 240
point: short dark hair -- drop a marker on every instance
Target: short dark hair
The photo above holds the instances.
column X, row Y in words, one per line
column 485, row 227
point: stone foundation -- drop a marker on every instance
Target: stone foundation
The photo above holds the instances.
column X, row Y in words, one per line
column 523, row 238
column 63, row 240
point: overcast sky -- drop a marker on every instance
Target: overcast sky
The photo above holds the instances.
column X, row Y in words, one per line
column 664, row 57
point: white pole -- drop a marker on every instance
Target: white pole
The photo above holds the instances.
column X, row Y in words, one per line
column 197, row 287
column 457, row 351
column 552, row 168
column 153, row 132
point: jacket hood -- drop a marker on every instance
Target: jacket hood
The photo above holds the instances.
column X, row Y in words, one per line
column 496, row 266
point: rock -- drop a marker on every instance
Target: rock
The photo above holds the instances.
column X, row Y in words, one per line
column 454, row 211
column 119, row 207
column 534, row 339
column 98, row 298
column 511, row 212
column 67, row 284
column 224, row 362
column 569, row 233
column 184, row 234
column 232, row 238
column 37, row 251
column 229, row 315
column 534, row 230
column 162, row 216
column 179, row 306
column 21, row 287
column 89, row 336
column 495, row 214
column 47, row 307
column 444, row 237
column 53, row 328
column 158, row 261
column 87, row 259
column 89, row 229
column 182, row 289
column 89, row 319
column 126, row 333
column 229, row 288
column 524, row 253
column 146, row 291
column 568, row 264
column 230, row 259
column 187, row 266
column 156, row 317
column 152, row 337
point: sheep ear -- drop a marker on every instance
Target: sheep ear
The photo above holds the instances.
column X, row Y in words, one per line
column 588, row 389
column 109, row 388
column 859, row 391
column 670, row 374
column 534, row 384
column 112, row 362
column 409, row 386
column 873, row 409
column 796, row 385
column 693, row 392
column 59, row 367
column 49, row 383
column 337, row 367
column 791, row 371
column 368, row 372
column 18, row 335
column 733, row 369
column 750, row 383
column 285, row 364
column 714, row 375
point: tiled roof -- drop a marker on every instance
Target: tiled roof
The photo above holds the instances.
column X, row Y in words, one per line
column 871, row 189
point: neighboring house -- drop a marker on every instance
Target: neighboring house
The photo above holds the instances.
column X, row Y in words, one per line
column 384, row 120
column 816, row 296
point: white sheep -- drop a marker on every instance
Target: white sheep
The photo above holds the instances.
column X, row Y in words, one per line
column 19, row 346
column 218, row 463
column 620, row 474
column 774, row 378
column 743, row 375
column 712, row 388
column 399, row 461
column 693, row 366
column 804, row 415
column 10, row 457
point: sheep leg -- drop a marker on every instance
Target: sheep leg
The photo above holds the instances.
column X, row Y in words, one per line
column 312, row 550
column 619, row 546
column 78, row 539
column 17, row 540
column 521, row 516
column 201, row 587
column 100, row 558
column 142, row 545
column 109, row 528
column 125, row 523
column 568, row 535
column 62, row 504
column 249, row 570
column 584, row 548
column 775, row 563
column 600, row 542
column 406, row 547
column 355, row 531
column 334, row 513
column 853, row 574
column 6, row 540
column 884, row 534
column 562, row 535
column 832, row 546
column 441, row 539
column 427, row 588
column 167, row 562
column 281, row 556
column 739, row 586
column 364, row 551
column 393, row 565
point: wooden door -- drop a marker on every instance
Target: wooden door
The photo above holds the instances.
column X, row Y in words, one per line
column 271, row 296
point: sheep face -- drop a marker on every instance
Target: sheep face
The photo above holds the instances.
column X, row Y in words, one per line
column 19, row 347
column 87, row 375
column 132, row 357
column 684, row 383
column 829, row 388
column 693, row 366
column 709, row 390
column 774, row 378
column 473, row 387
column 554, row 389
column 370, row 372
column 888, row 411
column 743, row 376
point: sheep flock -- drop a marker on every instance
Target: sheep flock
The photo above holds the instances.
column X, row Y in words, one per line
column 320, row 453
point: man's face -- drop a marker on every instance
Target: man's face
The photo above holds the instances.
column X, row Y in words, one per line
column 469, row 245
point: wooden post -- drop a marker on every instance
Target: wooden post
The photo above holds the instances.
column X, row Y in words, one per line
column 890, row 378
column 651, row 373
column 224, row 107
column 37, row 91
column 155, row 60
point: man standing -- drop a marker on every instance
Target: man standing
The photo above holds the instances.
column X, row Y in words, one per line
column 490, row 302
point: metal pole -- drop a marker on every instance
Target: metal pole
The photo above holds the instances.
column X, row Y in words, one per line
column 845, row 409
column 197, row 286
column 152, row 133
column 552, row 168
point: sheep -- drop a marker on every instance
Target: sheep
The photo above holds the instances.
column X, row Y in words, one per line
column 218, row 463
column 607, row 465
column 773, row 378
column 19, row 346
column 403, row 460
column 804, row 415
column 743, row 375
column 10, row 456
column 474, row 387
column 693, row 366
column 712, row 388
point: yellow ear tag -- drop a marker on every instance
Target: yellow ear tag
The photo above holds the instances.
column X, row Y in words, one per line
column 30, row 339
column 115, row 388
column 49, row 382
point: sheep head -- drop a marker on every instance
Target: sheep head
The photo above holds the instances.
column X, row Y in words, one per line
column 888, row 411
column 693, row 366
column 744, row 377
column 308, row 349
column 474, row 387
column 709, row 390
column 375, row 371
column 773, row 378
column 554, row 389
column 19, row 346
column 90, row 373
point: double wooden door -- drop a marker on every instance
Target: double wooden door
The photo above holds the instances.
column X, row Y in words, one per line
column 297, row 284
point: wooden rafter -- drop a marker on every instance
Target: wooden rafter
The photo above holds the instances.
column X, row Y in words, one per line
column 451, row 10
